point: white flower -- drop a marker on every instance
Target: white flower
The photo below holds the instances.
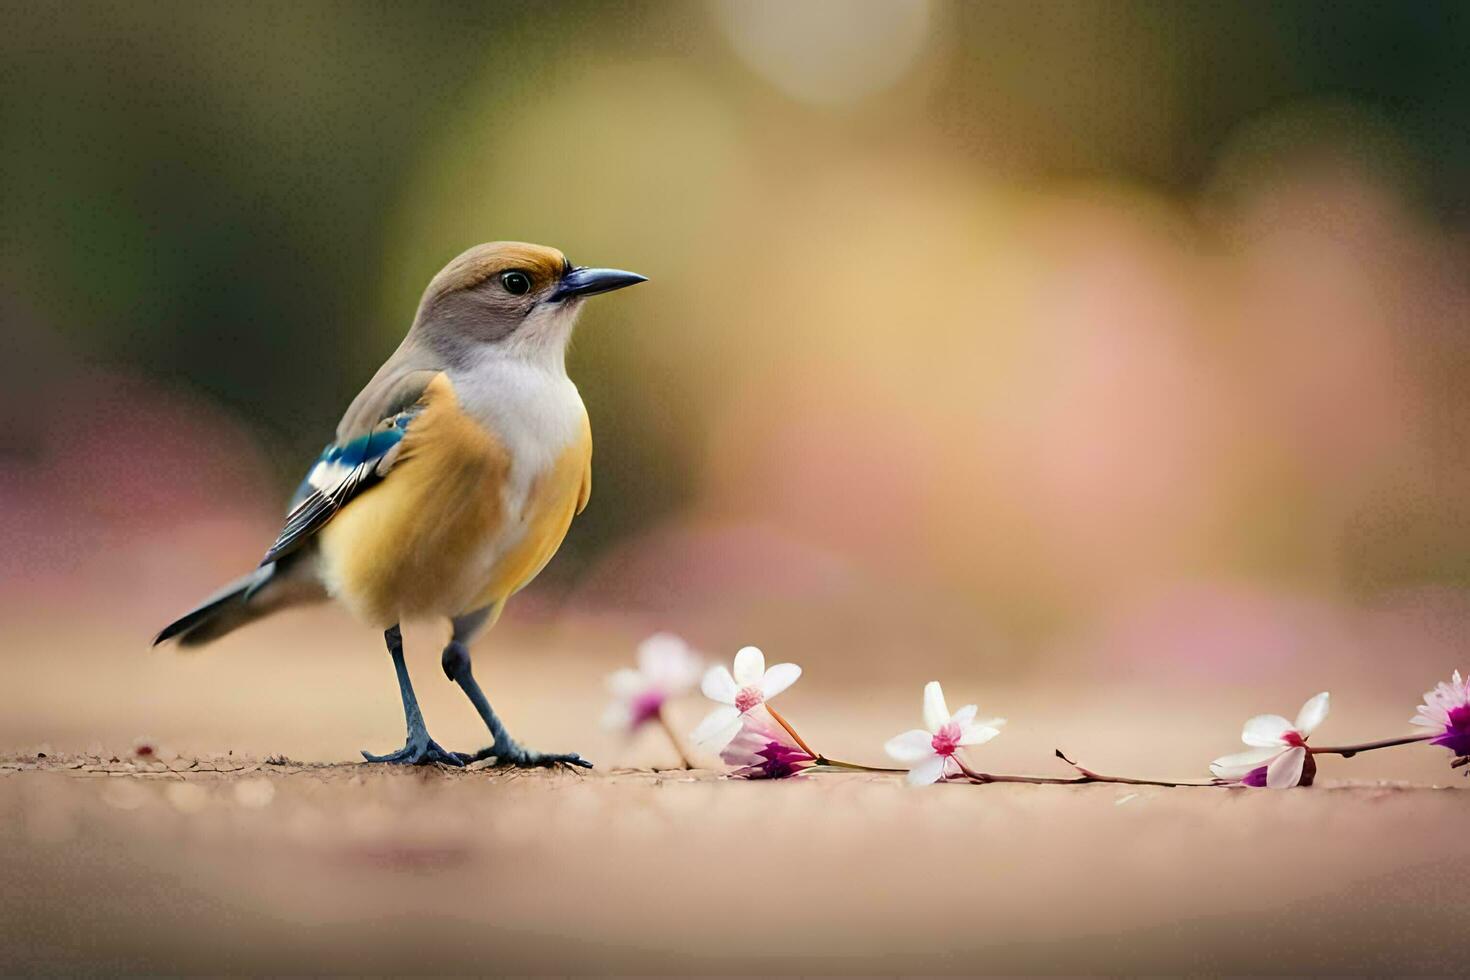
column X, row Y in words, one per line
column 1280, row 748
column 667, row 668
column 762, row 749
column 928, row 753
column 752, row 684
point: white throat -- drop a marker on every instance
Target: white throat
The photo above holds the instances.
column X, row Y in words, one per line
column 519, row 391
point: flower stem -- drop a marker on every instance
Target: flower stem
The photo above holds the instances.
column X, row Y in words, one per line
column 855, row 766
column 792, row 732
column 1083, row 776
column 1092, row 777
column 817, row 757
column 1348, row 751
column 673, row 739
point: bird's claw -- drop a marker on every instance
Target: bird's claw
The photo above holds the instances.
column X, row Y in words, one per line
column 418, row 752
column 516, row 756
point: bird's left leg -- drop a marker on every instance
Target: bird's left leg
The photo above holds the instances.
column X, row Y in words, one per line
column 505, row 750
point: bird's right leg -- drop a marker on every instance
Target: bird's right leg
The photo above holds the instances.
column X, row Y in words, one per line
column 418, row 749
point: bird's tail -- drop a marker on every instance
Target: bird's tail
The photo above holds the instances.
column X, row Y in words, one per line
column 270, row 587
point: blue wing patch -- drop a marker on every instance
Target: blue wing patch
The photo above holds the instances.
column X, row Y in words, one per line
column 340, row 473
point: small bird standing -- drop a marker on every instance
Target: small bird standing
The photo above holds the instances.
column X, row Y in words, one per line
column 453, row 479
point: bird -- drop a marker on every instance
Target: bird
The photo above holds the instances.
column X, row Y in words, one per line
column 451, row 481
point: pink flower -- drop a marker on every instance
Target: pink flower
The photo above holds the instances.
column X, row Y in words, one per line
column 1447, row 708
column 667, row 668
column 750, row 685
column 929, row 754
column 1279, row 758
column 763, row 749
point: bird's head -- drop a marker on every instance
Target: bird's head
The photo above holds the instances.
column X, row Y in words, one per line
column 512, row 296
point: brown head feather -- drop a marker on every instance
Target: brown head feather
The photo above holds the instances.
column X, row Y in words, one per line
column 544, row 265
column 467, row 304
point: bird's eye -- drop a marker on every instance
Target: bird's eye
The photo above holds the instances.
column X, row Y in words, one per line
column 516, row 283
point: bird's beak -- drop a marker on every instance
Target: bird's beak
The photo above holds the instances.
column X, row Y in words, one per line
column 582, row 281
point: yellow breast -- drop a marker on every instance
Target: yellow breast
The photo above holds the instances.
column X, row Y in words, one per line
column 438, row 536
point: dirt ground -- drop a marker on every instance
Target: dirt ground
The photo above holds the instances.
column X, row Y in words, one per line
column 204, row 858
column 232, row 864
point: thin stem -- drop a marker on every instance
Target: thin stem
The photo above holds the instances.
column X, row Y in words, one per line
column 792, row 732
column 990, row 777
column 673, row 739
column 1348, row 751
column 855, row 766
column 1083, row 776
column 1093, row 777
column 817, row 757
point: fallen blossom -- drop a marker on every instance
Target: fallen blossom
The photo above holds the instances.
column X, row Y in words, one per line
column 750, row 685
column 1446, row 709
column 929, row 753
column 1278, row 758
column 667, row 668
column 762, row 749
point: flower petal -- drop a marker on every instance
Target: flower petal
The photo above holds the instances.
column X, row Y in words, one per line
column 750, row 666
column 965, row 715
column 977, row 734
column 1237, row 765
column 658, row 649
column 1285, row 770
column 911, row 746
column 936, row 712
column 717, row 729
column 926, row 771
column 625, row 683
column 718, row 685
column 617, row 717
column 1263, row 730
column 778, row 679
column 667, row 661
column 1313, row 713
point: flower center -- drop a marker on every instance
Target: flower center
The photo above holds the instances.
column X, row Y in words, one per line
column 947, row 739
column 645, row 707
column 781, row 761
column 1456, row 735
column 1294, row 739
column 747, row 698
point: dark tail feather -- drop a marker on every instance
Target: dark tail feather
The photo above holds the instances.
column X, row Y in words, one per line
column 263, row 591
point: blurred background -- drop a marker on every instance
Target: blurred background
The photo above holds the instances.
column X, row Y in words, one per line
column 1108, row 361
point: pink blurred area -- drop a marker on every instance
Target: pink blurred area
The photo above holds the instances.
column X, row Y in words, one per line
column 134, row 491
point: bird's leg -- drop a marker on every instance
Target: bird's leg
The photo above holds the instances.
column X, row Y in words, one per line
column 419, row 749
column 505, row 750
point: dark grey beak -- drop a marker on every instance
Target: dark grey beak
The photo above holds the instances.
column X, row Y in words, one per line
column 582, row 281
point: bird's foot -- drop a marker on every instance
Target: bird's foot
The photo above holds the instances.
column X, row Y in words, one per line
column 513, row 755
column 420, row 751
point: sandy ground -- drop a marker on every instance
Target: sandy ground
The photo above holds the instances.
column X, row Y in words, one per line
column 230, row 864
column 204, row 858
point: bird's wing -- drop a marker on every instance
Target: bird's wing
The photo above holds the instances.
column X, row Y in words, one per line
column 342, row 471
column 357, row 460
